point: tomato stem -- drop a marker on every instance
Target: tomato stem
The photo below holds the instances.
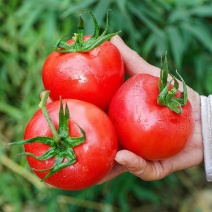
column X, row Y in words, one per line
column 167, row 96
column 42, row 105
column 79, row 44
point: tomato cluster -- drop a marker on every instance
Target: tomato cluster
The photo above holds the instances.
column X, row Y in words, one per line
column 71, row 142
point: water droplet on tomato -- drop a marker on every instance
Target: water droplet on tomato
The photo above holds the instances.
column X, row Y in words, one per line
column 82, row 79
column 139, row 119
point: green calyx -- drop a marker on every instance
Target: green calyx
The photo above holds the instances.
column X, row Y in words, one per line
column 61, row 144
column 79, row 44
column 167, row 96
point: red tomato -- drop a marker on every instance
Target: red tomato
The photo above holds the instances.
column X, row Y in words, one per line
column 94, row 158
column 151, row 131
column 92, row 76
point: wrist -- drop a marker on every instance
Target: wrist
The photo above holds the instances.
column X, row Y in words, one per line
column 206, row 119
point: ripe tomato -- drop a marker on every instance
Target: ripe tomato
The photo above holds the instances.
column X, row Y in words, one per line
column 152, row 131
column 92, row 76
column 94, row 157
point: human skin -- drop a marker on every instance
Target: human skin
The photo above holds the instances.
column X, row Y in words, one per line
column 190, row 156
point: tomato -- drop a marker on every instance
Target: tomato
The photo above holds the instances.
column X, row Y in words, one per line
column 94, row 157
column 92, row 76
column 88, row 68
column 144, row 127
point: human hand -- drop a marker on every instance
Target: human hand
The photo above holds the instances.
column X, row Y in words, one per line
column 191, row 156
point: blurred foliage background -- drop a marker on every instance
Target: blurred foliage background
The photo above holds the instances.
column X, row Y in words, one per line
column 28, row 30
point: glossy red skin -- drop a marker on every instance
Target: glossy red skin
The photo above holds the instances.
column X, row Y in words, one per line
column 95, row 157
column 151, row 131
column 93, row 76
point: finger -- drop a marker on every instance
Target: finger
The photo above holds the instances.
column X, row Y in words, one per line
column 116, row 170
column 134, row 64
column 146, row 170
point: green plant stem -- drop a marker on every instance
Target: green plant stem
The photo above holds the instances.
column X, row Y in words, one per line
column 42, row 105
column 10, row 164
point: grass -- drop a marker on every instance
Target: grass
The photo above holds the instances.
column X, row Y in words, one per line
column 28, row 31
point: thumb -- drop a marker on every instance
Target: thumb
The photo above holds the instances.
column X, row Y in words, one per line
column 134, row 63
column 146, row 170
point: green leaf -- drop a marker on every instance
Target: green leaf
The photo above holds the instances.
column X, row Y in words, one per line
column 200, row 32
column 31, row 20
column 77, row 7
column 149, row 44
column 178, row 15
column 202, row 11
column 177, row 44
column 152, row 26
